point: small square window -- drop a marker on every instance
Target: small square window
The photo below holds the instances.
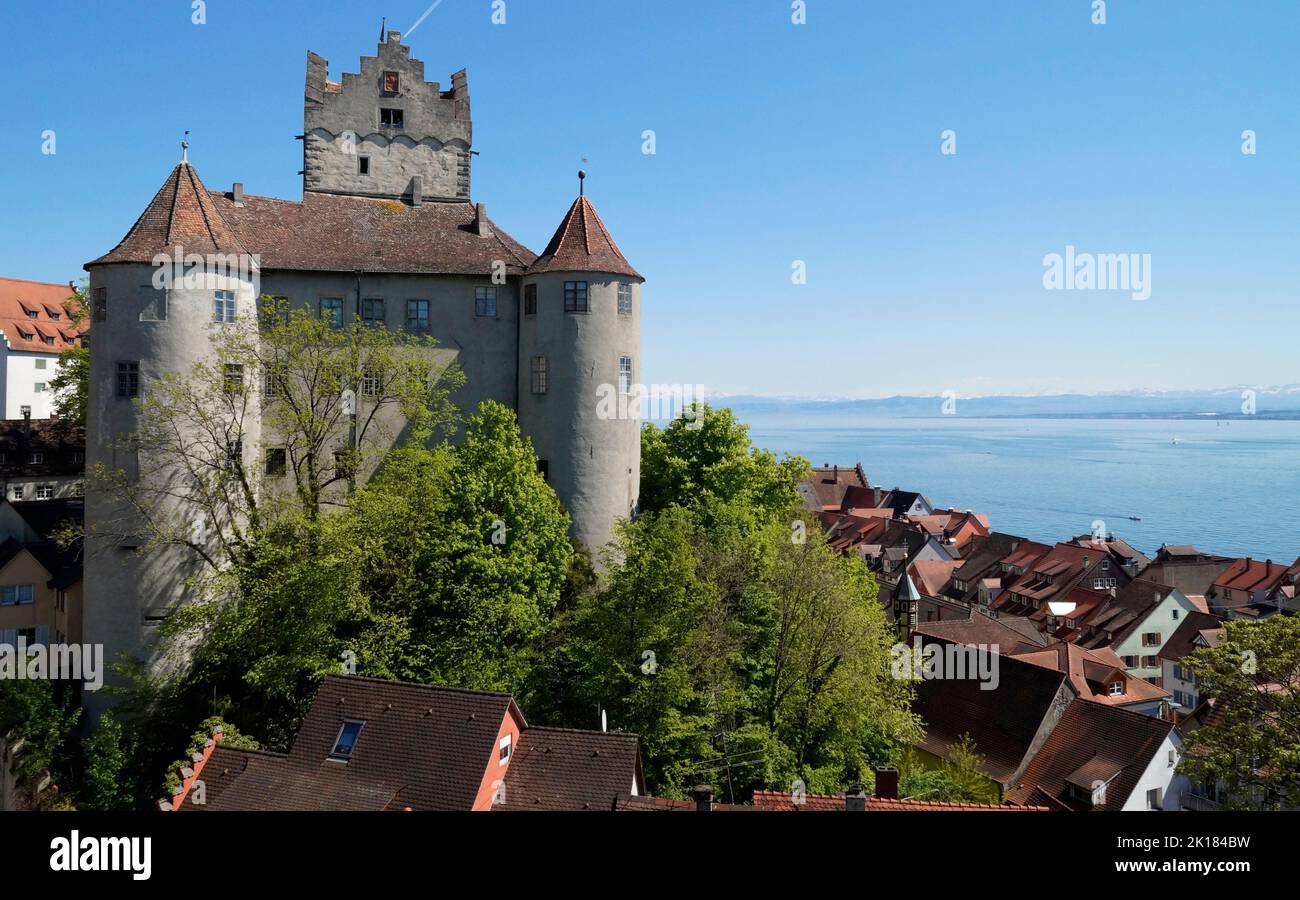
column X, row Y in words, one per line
column 18, row 492
column 372, row 382
column 373, row 312
column 45, row 492
column 390, row 118
column 223, row 309
column 417, row 315
column 485, row 302
column 155, row 309
column 38, row 387
column 331, row 310
column 575, row 296
column 530, row 299
column 363, row 165
column 40, row 364
column 36, row 458
column 277, row 461
column 346, row 742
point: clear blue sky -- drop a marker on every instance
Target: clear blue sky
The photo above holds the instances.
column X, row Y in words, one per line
column 776, row 143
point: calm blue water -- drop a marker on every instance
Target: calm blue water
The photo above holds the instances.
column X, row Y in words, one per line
column 1231, row 489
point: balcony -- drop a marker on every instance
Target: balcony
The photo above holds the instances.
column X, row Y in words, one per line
column 1196, row 803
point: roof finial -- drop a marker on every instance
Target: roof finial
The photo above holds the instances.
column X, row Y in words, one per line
column 582, row 183
column 383, row 27
column 185, row 149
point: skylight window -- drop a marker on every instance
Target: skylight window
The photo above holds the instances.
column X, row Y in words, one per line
column 346, row 742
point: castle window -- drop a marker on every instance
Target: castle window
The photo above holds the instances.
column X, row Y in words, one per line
column 417, row 315
column 363, row 165
column 234, row 378
column 100, row 303
column 530, row 299
column 625, row 299
column 625, row 374
column 331, row 310
column 277, row 461
column 372, row 312
column 539, row 374
column 372, row 382
column 223, row 309
column 390, row 118
column 128, row 379
column 156, row 309
column 575, row 296
column 485, row 302
column 392, row 81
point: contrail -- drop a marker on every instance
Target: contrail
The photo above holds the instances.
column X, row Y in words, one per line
column 436, row 4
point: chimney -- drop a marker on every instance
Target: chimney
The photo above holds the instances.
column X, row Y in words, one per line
column 703, row 795
column 394, row 37
column 876, row 497
column 886, row 783
column 855, row 799
column 481, row 226
column 837, row 473
column 237, row 193
column 417, row 190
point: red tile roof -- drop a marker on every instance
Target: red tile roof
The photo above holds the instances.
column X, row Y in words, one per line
column 776, row 801
column 1092, row 742
column 562, row 769
column 182, row 215
column 582, row 243
column 1249, row 576
column 1092, row 671
column 19, row 299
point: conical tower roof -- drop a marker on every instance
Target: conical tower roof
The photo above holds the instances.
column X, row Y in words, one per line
column 582, row 243
column 181, row 216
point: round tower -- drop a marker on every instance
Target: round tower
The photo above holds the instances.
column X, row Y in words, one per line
column 580, row 370
column 155, row 298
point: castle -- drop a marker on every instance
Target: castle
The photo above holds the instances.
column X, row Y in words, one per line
column 385, row 233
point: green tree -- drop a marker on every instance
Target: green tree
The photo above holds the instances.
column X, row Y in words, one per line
column 37, row 719
column 105, row 781
column 704, row 457
column 71, row 383
column 1251, row 747
column 958, row 779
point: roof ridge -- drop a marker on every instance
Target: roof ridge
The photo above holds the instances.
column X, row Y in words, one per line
column 415, row 684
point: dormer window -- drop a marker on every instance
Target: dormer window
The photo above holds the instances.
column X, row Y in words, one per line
column 1105, row 565
column 503, row 751
column 33, row 314
column 346, row 742
column 391, row 118
column 1117, row 688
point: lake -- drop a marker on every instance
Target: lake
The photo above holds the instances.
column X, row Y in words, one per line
column 1228, row 488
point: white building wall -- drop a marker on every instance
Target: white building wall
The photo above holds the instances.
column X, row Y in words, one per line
column 1160, row 775
column 23, row 371
column 1161, row 620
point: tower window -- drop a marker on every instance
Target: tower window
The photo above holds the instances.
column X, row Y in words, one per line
column 331, row 310
column 530, row 299
column 234, row 378
column 417, row 315
column 625, row 374
column 485, row 302
column 575, row 296
column 372, row 382
column 128, row 379
column 373, row 312
column 539, row 374
column 363, row 165
column 101, row 304
column 273, row 383
column 390, row 118
column 156, row 309
column 392, row 81
column 223, row 309
column 625, row 300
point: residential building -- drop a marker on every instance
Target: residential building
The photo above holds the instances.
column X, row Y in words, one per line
column 40, row 581
column 42, row 460
column 1248, row 588
column 372, row 745
column 1186, row 568
column 1196, row 631
column 1135, row 624
column 1098, row 676
column 36, row 324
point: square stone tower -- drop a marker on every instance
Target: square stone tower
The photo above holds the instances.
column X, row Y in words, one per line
column 386, row 132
